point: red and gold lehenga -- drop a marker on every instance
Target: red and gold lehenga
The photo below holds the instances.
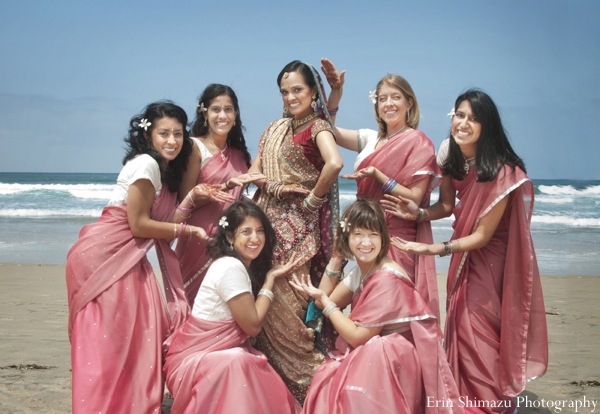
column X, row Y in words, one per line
column 289, row 159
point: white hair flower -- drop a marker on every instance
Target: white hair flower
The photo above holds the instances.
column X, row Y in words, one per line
column 345, row 226
column 145, row 124
column 373, row 96
column 223, row 222
column 201, row 106
column 451, row 113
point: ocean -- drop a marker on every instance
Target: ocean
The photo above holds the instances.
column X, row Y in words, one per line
column 41, row 215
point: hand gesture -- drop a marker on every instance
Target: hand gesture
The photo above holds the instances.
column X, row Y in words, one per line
column 401, row 207
column 199, row 233
column 411, row 247
column 362, row 173
column 304, row 285
column 334, row 78
column 280, row 269
column 244, row 179
column 293, row 191
column 212, row 192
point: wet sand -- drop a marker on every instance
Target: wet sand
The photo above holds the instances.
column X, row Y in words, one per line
column 35, row 367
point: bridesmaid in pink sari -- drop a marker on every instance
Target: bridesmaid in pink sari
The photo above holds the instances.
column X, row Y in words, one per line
column 211, row 366
column 219, row 157
column 398, row 159
column 496, row 336
column 117, row 316
column 388, row 357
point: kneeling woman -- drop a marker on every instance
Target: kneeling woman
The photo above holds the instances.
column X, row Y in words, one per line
column 210, row 366
column 388, row 356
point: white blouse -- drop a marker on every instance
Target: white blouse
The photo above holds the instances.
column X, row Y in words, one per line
column 226, row 278
column 204, row 152
column 141, row 167
column 367, row 139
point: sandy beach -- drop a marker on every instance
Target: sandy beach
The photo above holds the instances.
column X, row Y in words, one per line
column 35, row 364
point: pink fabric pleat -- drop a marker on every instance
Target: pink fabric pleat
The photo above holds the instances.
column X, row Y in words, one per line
column 211, row 368
column 192, row 254
column 396, row 373
column 408, row 159
column 496, row 335
column 117, row 314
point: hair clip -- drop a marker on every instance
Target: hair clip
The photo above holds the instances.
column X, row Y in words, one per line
column 345, row 226
column 223, row 222
column 201, row 106
column 145, row 124
column 373, row 96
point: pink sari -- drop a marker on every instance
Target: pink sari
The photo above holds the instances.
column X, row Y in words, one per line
column 496, row 336
column 408, row 159
column 392, row 373
column 211, row 368
column 117, row 315
column 193, row 257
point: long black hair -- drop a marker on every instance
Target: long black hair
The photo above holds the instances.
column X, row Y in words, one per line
column 138, row 141
column 220, row 246
column 235, row 137
column 493, row 149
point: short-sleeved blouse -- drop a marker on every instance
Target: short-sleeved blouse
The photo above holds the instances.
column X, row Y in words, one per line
column 141, row 167
column 367, row 139
column 204, row 152
column 226, row 278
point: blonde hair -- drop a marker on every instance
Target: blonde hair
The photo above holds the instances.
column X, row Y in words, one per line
column 398, row 82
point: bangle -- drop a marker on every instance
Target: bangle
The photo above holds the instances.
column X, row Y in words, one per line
column 267, row 293
column 333, row 112
column 227, row 185
column 312, row 203
column 174, row 231
column 448, row 248
column 329, row 309
column 421, row 215
column 181, row 215
column 389, row 185
column 189, row 198
column 333, row 274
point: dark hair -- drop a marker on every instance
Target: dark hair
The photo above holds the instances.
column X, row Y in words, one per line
column 493, row 149
column 398, row 82
column 138, row 141
column 364, row 213
column 300, row 67
column 235, row 137
column 220, row 246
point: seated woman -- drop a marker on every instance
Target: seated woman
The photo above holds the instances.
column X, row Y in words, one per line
column 210, row 366
column 388, row 355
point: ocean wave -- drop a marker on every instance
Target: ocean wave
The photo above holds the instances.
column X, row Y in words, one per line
column 566, row 220
column 552, row 200
column 569, row 190
column 35, row 213
column 77, row 190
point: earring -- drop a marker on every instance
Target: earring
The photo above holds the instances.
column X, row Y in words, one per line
column 285, row 111
column 231, row 246
column 408, row 113
column 233, row 123
column 204, row 121
column 313, row 104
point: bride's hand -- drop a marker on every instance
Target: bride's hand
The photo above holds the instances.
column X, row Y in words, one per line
column 335, row 79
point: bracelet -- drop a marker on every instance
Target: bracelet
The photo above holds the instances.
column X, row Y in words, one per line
column 448, row 248
column 227, row 185
column 181, row 215
column 389, row 185
column 189, row 198
column 312, row 203
column 421, row 215
column 267, row 293
column 333, row 112
column 333, row 274
column 182, row 227
column 174, row 231
column 329, row 309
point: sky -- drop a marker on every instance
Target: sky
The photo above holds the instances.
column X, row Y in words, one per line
column 73, row 73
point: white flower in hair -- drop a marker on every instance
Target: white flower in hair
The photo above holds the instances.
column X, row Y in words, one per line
column 345, row 226
column 145, row 124
column 201, row 106
column 373, row 97
column 223, row 222
column 451, row 113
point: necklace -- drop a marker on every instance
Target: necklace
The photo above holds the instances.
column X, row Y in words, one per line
column 222, row 151
column 300, row 122
column 364, row 277
column 467, row 161
column 386, row 139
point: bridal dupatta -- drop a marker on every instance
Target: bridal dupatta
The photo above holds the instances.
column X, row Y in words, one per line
column 193, row 257
column 211, row 368
column 397, row 373
column 496, row 335
column 408, row 159
column 117, row 315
